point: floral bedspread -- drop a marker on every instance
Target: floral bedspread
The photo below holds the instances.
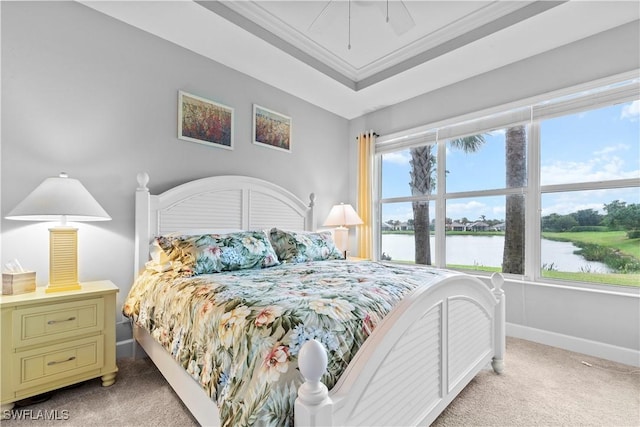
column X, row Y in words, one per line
column 239, row 333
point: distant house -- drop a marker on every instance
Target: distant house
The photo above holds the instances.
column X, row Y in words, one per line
column 478, row 226
column 456, row 226
column 405, row 226
column 499, row 227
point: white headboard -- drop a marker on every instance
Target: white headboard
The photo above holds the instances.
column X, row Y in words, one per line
column 219, row 202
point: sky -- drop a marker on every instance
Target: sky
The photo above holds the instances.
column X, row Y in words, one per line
column 596, row 145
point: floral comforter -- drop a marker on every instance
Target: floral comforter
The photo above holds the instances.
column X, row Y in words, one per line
column 239, row 333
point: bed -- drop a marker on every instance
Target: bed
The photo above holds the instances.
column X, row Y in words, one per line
column 440, row 328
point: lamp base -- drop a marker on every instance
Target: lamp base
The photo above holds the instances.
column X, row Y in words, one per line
column 341, row 239
column 63, row 259
column 62, row 288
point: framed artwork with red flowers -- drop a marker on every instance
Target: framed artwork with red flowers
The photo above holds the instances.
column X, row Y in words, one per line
column 204, row 121
column 271, row 129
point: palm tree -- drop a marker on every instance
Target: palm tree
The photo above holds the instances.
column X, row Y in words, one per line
column 423, row 182
column 516, row 176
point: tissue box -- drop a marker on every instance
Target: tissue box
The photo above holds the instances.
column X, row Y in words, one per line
column 18, row 283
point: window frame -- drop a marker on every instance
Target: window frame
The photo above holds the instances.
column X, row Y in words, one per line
column 602, row 93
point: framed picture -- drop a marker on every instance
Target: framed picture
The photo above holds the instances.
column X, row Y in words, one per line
column 271, row 129
column 204, row 121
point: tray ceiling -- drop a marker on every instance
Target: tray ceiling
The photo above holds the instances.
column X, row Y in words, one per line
column 346, row 57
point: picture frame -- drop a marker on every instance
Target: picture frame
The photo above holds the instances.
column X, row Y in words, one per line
column 205, row 121
column 271, row 129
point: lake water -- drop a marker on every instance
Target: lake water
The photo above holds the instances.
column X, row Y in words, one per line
column 487, row 251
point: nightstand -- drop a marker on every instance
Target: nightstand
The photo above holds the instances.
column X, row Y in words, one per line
column 52, row 340
column 355, row 258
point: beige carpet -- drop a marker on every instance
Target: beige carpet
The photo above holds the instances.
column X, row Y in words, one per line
column 542, row 386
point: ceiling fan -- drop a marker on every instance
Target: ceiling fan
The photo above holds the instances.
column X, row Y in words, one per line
column 393, row 12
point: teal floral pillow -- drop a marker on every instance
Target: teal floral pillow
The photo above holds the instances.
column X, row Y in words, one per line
column 292, row 247
column 214, row 253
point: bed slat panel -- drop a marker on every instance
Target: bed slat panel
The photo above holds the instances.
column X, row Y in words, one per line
column 469, row 337
column 419, row 347
column 214, row 209
column 266, row 212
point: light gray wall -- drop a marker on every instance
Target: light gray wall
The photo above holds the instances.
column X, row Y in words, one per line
column 86, row 94
column 605, row 324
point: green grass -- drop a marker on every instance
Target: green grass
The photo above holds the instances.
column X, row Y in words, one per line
column 611, row 239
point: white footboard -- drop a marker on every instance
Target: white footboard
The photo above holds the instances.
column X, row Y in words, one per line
column 440, row 339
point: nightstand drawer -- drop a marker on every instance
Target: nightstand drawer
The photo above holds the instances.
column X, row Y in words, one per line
column 38, row 324
column 52, row 340
column 57, row 362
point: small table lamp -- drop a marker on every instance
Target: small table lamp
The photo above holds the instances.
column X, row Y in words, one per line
column 342, row 216
column 61, row 199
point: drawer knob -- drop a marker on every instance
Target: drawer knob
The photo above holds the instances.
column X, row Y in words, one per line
column 53, row 322
column 56, row 362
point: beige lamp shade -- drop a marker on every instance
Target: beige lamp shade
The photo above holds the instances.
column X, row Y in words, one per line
column 61, row 199
column 342, row 215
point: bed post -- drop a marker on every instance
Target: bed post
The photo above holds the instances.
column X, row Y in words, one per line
column 313, row 406
column 142, row 223
column 311, row 217
column 500, row 318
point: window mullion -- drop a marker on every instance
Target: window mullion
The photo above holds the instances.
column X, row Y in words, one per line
column 376, row 189
column 533, row 234
column 594, row 185
column 441, row 207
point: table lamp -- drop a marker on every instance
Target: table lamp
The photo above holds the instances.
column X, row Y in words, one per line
column 61, row 199
column 342, row 216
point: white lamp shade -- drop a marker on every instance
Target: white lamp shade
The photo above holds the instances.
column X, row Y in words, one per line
column 59, row 198
column 342, row 215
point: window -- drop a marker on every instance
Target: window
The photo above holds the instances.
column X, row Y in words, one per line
column 594, row 145
column 475, row 233
column 396, row 172
column 398, row 232
column 588, row 160
column 467, row 160
column 581, row 240
column 409, row 182
column 568, row 168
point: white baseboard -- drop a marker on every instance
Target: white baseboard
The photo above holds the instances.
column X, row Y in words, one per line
column 623, row 355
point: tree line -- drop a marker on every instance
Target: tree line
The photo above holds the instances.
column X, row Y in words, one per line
column 394, row 223
column 618, row 216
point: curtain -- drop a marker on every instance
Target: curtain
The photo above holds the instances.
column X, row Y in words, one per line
column 366, row 142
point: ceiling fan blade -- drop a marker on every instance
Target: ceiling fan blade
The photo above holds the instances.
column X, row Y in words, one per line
column 324, row 18
column 399, row 17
